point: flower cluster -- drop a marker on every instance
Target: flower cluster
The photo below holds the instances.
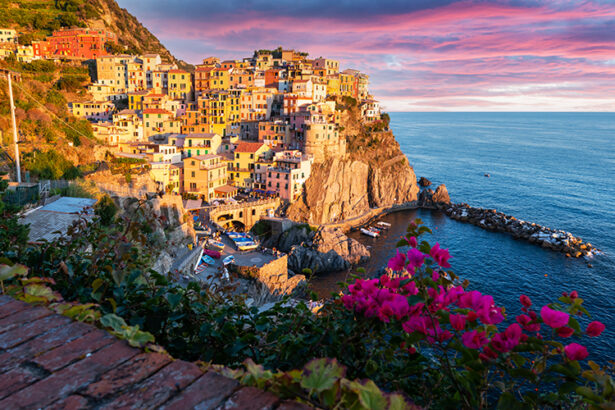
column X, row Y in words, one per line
column 444, row 310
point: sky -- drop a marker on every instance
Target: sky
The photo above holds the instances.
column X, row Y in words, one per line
column 421, row 55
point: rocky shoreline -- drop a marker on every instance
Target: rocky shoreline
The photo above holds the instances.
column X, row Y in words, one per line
column 490, row 219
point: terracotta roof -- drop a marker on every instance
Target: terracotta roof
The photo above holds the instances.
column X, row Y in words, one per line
column 177, row 71
column 155, row 111
column 248, row 146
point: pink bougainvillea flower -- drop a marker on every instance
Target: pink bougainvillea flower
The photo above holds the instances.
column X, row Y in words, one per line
column 525, row 300
column 458, row 322
column 525, row 322
column 574, row 294
column 507, row 340
column 575, row 351
column 564, row 331
column 488, row 312
column 441, row 256
column 595, row 328
column 412, row 242
column 415, row 258
column 554, row 318
column 397, row 262
column 474, row 339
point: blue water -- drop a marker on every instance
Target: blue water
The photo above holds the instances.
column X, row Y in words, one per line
column 555, row 169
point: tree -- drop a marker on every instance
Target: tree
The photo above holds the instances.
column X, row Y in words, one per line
column 106, row 209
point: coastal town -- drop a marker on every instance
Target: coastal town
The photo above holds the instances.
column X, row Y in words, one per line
column 252, row 125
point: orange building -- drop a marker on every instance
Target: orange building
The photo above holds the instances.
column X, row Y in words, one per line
column 74, row 42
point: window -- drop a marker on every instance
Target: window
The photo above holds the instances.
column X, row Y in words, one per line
column 193, row 174
column 254, row 212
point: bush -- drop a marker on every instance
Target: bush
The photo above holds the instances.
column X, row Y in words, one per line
column 106, row 209
column 416, row 329
column 50, row 165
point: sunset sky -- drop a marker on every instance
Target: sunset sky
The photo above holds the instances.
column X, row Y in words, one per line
column 421, row 55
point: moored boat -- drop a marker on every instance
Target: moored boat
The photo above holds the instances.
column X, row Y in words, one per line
column 216, row 244
column 246, row 246
column 228, row 260
column 383, row 225
column 374, row 233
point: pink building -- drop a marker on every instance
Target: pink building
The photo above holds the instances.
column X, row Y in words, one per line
column 287, row 177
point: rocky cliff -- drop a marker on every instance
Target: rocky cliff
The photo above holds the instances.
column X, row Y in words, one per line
column 373, row 174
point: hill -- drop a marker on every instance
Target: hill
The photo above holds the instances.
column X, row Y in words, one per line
column 52, row 141
column 36, row 19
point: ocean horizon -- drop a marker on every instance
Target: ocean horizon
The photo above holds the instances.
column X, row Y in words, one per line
column 549, row 168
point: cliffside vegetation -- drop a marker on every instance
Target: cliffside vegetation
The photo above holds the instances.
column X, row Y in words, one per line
column 419, row 330
column 47, row 130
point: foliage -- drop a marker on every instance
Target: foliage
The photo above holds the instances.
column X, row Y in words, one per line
column 49, row 165
column 37, row 291
column 320, row 384
column 106, row 209
column 416, row 330
column 13, row 235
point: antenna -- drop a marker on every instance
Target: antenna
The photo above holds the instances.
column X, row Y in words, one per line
column 8, row 74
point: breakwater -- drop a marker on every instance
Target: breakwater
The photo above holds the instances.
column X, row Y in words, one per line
column 491, row 219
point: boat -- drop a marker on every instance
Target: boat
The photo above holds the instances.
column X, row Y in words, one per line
column 247, row 246
column 212, row 253
column 208, row 259
column 374, row 233
column 241, row 240
column 228, row 260
column 383, row 225
column 216, row 244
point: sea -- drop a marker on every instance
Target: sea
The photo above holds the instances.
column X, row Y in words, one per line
column 554, row 169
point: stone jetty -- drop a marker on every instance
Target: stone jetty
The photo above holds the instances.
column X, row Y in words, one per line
column 490, row 219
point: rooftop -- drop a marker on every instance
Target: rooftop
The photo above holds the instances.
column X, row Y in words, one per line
column 250, row 147
column 53, row 220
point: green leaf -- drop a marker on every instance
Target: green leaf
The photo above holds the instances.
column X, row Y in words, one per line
column 42, row 291
column 508, row 401
column 174, row 299
column 371, row 397
column 113, row 321
column 321, row 375
column 9, row 272
column 397, row 402
column 589, row 394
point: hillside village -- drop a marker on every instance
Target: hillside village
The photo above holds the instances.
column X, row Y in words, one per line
column 254, row 125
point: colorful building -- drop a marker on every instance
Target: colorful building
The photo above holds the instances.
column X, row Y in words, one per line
column 198, row 144
column 287, row 177
column 203, row 174
column 82, row 43
column 246, row 155
column 180, row 85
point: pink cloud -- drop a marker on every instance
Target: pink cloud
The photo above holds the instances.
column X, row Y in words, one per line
column 446, row 56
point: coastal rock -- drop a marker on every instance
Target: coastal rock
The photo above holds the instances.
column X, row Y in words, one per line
column 345, row 187
column 351, row 250
column 301, row 257
column 441, row 195
column 424, row 182
column 426, row 197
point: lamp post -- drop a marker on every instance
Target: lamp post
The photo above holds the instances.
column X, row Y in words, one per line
column 18, row 170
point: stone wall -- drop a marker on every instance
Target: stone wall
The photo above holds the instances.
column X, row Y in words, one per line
column 274, row 276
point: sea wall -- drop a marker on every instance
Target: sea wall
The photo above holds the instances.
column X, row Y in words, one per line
column 493, row 220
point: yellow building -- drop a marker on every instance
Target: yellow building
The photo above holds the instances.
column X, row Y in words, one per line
column 220, row 79
column 203, row 174
column 220, row 111
column 135, row 100
column 180, row 85
column 347, row 85
column 25, row 54
column 157, row 121
column 246, row 155
column 201, row 144
column 333, row 85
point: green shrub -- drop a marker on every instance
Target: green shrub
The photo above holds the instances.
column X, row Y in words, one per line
column 106, row 209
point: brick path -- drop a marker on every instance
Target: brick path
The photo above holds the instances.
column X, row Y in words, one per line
column 48, row 361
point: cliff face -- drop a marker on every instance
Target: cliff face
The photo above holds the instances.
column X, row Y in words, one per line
column 374, row 173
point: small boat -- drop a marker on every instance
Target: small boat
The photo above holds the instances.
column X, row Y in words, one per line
column 370, row 232
column 228, row 260
column 383, row 225
column 247, row 246
column 487, row 175
column 216, row 244
column 242, row 240
column 208, row 260
column 212, row 253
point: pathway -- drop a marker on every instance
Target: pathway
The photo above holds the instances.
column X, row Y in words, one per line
column 49, row 361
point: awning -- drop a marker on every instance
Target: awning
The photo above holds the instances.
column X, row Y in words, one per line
column 225, row 189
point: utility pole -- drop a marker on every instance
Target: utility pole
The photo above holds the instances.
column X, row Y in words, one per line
column 8, row 74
